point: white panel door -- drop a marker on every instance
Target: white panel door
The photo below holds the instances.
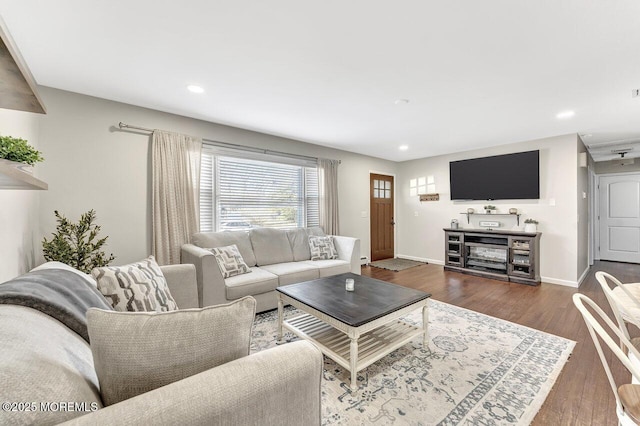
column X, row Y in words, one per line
column 620, row 218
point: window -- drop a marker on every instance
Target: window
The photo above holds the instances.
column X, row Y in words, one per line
column 242, row 190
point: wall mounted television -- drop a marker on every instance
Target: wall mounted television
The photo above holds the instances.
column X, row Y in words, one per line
column 500, row 177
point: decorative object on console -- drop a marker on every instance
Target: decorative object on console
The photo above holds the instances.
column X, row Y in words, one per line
column 136, row 287
column 513, row 211
column 230, row 261
column 322, row 248
column 19, row 150
column 530, row 225
column 486, row 224
column 454, row 223
column 471, row 210
column 76, row 244
column 349, row 284
column 489, row 209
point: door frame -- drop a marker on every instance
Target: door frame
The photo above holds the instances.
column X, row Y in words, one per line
column 395, row 212
column 596, row 216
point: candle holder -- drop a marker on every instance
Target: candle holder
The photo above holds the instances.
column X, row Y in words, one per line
column 349, row 284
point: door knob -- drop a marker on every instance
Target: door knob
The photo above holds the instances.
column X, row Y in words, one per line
column 392, row 222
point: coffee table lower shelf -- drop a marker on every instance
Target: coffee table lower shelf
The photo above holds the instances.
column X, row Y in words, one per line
column 372, row 345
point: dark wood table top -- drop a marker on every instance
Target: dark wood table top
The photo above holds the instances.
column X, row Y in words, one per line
column 371, row 299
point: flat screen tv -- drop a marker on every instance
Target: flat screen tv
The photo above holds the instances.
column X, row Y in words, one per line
column 501, row 177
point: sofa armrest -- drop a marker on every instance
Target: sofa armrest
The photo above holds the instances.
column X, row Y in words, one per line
column 349, row 250
column 182, row 283
column 211, row 289
column 277, row 386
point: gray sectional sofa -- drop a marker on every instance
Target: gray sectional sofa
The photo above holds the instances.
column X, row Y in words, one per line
column 47, row 377
column 276, row 257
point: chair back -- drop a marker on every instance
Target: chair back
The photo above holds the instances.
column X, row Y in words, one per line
column 604, row 278
column 599, row 333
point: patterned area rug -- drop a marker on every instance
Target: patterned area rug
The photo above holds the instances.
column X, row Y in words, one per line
column 396, row 264
column 477, row 370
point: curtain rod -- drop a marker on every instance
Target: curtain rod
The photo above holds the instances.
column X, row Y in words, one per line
column 229, row 145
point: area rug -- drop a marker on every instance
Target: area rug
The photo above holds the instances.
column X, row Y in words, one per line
column 396, row 264
column 476, row 369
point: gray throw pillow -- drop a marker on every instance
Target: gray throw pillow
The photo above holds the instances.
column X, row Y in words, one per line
column 322, row 248
column 136, row 352
column 230, row 261
column 136, row 287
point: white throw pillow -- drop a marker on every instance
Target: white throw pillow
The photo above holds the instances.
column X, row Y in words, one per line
column 60, row 265
column 230, row 261
column 322, row 248
column 136, row 287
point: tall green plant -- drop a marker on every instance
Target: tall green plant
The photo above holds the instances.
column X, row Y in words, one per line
column 77, row 244
column 19, row 150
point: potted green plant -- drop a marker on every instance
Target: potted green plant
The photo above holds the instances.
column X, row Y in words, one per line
column 18, row 150
column 530, row 225
column 77, row 244
column 489, row 208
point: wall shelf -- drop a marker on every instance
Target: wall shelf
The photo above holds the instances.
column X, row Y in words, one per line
column 13, row 176
column 18, row 88
column 517, row 215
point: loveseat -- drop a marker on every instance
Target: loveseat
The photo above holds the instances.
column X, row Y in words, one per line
column 275, row 257
column 47, row 376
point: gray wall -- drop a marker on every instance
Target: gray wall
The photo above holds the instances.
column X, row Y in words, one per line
column 420, row 225
column 19, row 222
column 582, row 198
column 91, row 165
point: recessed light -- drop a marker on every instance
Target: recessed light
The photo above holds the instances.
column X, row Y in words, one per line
column 195, row 89
column 565, row 114
column 401, row 101
column 403, row 147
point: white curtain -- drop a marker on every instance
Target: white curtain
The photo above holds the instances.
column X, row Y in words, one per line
column 328, row 192
column 175, row 163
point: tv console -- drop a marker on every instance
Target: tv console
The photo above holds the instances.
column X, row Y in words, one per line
column 498, row 254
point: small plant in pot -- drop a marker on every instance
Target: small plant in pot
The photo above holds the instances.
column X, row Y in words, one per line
column 18, row 150
column 530, row 225
column 489, row 208
column 77, row 244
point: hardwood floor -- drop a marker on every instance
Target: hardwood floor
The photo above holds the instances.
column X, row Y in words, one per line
column 582, row 394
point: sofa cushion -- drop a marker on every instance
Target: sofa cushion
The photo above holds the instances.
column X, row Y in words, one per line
column 299, row 240
column 258, row 281
column 293, row 272
column 230, row 261
column 220, row 239
column 330, row 266
column 315, row 230
column 271, row 246
column 139, row 286
column 43, row 361
column 136, row 352
column 322, row 248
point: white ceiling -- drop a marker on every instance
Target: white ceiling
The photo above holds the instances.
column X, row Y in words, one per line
column 476, row 73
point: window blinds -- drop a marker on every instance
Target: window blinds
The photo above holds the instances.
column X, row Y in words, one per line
column 237, row 192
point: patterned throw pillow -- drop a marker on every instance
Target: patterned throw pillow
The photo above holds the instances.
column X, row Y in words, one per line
column 322, row 248
column 140, row 286
column 230, row 261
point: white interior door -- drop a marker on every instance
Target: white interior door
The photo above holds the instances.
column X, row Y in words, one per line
column 620, row 218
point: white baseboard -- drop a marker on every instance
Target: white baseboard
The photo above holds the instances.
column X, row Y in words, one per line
column 420, row 259
column 558, row 281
